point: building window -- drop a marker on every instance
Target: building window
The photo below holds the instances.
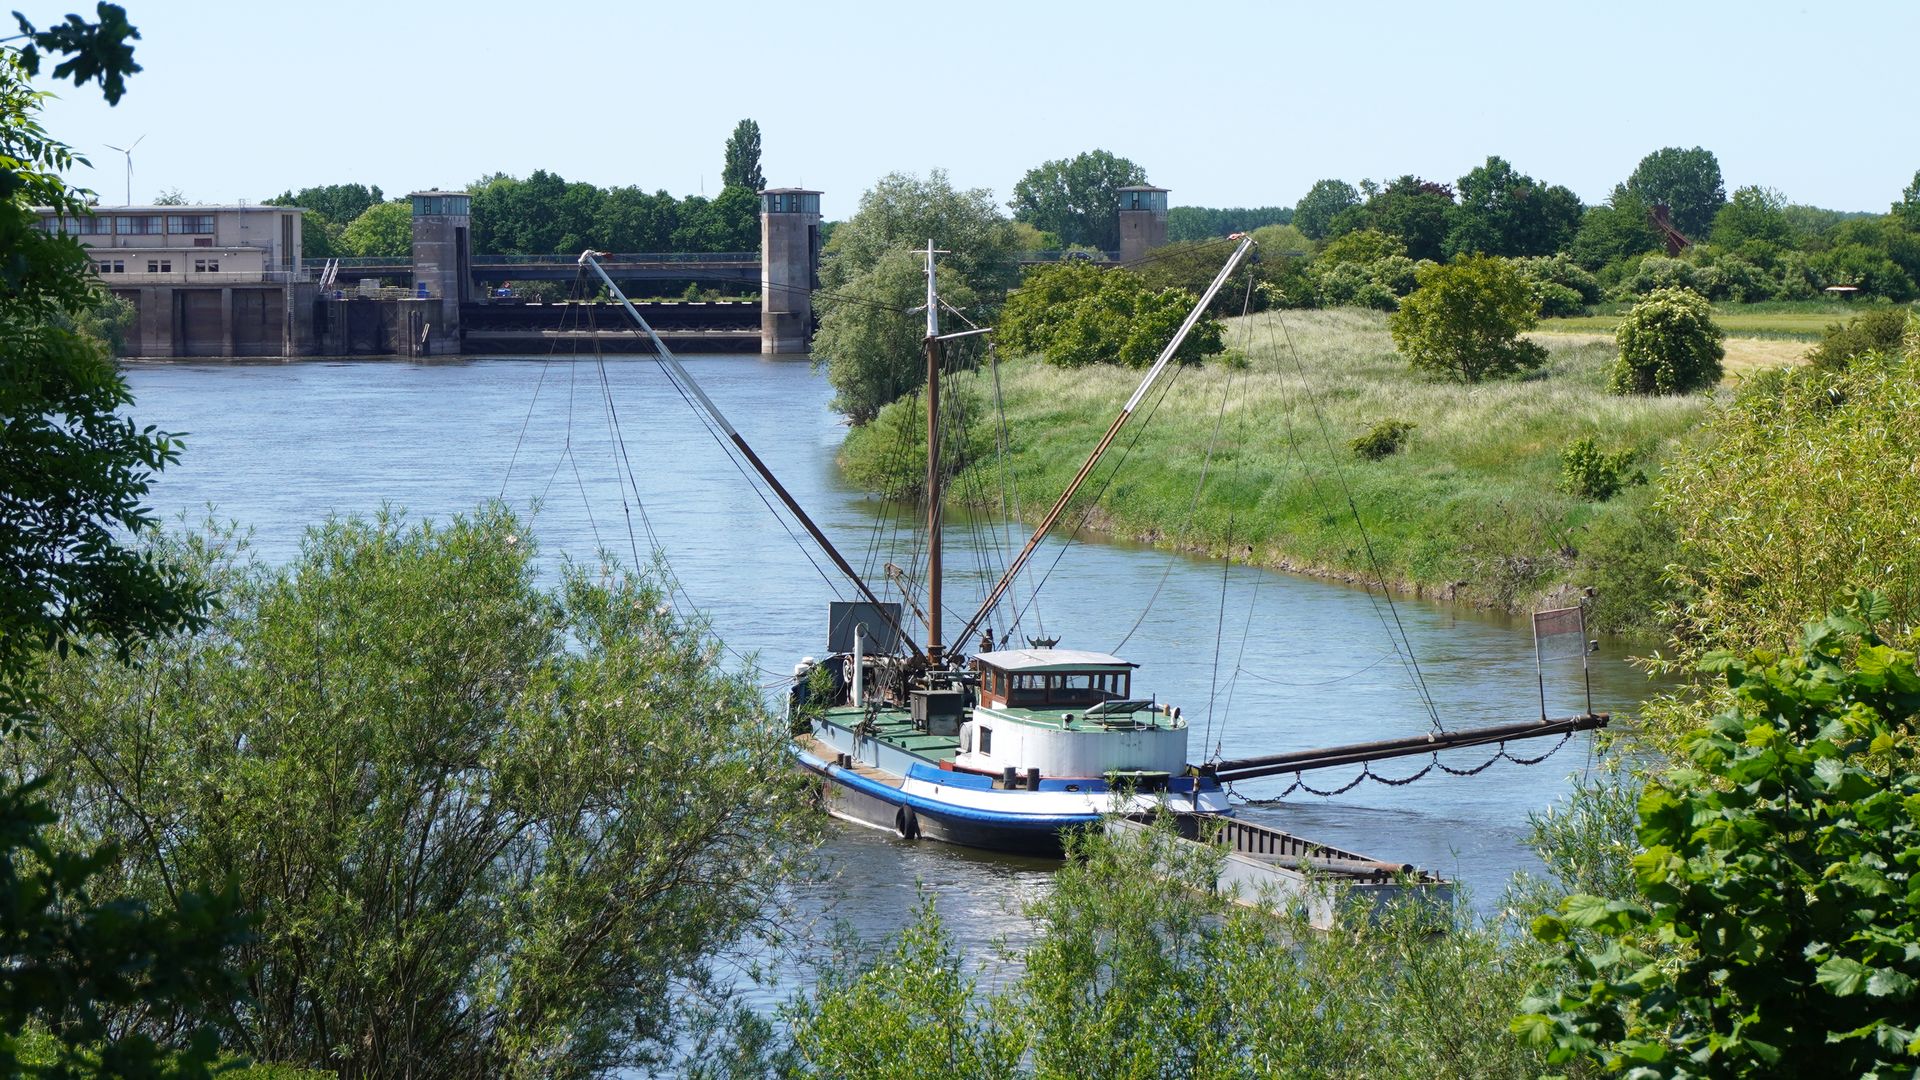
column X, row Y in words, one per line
column 110, row 266
column 206, row 266
column 190, row 224
column 143, row 225
column 159, row 266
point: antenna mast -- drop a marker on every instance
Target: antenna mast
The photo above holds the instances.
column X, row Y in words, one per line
column 680, row 375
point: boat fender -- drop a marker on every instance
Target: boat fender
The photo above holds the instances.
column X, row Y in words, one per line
column 1176, row 712
column 906, row 823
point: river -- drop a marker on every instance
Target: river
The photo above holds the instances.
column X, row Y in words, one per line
column 277, row 447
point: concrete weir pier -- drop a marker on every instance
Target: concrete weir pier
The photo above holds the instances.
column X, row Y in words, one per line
column 230, row 282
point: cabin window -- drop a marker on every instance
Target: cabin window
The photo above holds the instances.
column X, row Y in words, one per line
column 986, row 740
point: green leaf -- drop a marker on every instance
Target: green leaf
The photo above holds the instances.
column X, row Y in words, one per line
column 1886, row 982
column 1842, row 976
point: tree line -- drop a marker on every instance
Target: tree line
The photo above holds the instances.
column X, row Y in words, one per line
column 544, row 214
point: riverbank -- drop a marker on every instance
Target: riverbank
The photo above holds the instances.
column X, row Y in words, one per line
column 1469, row 511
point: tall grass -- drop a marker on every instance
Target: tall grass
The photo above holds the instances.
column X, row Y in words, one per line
column 1471, row 509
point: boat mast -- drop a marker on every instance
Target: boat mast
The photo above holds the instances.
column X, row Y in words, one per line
column 934, row 499
column 1086, row 469
column 680, row 375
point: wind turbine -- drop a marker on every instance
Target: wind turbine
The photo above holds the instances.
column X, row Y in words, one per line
column 128, row 150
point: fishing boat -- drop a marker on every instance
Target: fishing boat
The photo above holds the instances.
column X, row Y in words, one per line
column 1004, row 748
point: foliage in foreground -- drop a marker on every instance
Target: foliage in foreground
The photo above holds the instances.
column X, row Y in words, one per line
column 76, row 963
column 486, row 828
column 1464, row 321
column 1776, row 935
column 1136, row 974
column 1669, row 344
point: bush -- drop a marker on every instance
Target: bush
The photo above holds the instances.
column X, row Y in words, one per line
column 488, row 827
column 1384, row 439
column 1624, row 558
column 1879, row 330
column 1587, row 472
column 1803, row 486
column 1776, row 932
column 1077, row 314
column 889, row 456
column 1465, row 320
column 1669, row 344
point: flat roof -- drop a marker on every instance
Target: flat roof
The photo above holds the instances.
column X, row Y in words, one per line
column 195, row 208
column 1051, row 660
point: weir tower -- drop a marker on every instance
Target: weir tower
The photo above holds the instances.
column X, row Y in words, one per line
column 1143, row 221
column 442, row 269
column 789, row 258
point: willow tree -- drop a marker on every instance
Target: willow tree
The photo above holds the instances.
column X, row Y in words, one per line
column 487, row 827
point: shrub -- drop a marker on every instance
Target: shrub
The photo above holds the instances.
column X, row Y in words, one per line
column 461, row 803
column 889, row 456
column 1075, row 314
column 1465, row 320
column 1384, row 439
column 1624, row 558
column 1879, row 330
column 1776, row 932
column 1669, row 344
column 1588, row 472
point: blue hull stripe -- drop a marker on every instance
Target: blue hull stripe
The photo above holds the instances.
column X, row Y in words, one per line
column 923, row 805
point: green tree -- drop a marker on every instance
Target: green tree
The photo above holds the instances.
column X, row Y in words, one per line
column 1754, row 214
column 73, row 472
column 1077, row 197
column 911, row 1013
column 1323, row 202
column 338, row 202
column 489, row 828
column 1688, row 181
column 870, row 343
column 1078, row 314
column 384, row 231
column 1908, row 208
column 1776, row 933
column 903, row 211
column 1465, row 319
column 1417, row 211
column 1615, row 232
column 742, row 167
column 1669, row 344
column 1209, row 223
column 1503, row 212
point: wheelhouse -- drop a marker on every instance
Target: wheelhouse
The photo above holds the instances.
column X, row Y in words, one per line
column 1051, row 678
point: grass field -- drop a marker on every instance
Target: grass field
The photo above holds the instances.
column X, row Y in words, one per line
column 1470, row 509
column 1797, row 321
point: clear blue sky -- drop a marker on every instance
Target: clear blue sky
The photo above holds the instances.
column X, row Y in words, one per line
column 1227, row 104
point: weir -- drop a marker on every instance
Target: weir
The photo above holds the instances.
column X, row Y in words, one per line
column 230, row 281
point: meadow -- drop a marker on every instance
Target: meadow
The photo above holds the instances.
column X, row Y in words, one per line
column 1471, row 509
column 1791, row 320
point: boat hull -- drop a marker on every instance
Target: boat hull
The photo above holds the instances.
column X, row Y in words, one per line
column 957, row 809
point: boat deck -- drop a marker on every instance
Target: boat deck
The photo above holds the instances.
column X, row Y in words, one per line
column 825, row 752
column 895, row 726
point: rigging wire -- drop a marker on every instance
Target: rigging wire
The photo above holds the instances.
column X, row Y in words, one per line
column 1411, row 662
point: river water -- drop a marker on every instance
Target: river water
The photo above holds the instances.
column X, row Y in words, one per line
column 277, row 447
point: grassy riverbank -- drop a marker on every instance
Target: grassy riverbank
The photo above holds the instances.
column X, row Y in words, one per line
column 1470, row 510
